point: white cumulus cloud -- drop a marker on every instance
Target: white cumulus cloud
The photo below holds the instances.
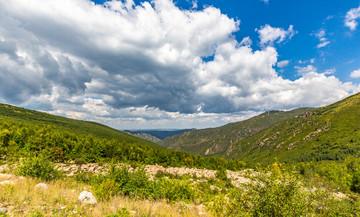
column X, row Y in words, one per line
column 268, row 35
column 283, row 63
column 351, row 18
column 355, row 74
column 323, row 40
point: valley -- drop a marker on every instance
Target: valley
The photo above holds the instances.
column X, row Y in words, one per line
column 288, row 157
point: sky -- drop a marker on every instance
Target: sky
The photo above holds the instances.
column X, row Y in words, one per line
column 166, row 64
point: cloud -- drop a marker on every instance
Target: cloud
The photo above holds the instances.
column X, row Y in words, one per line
column 323, row 41
column 246, row 42
column 121, row 63
column 268, row 35
column 355, row 74
column 305, row 70
column 329, row 71
column 283, row 63
column 265, row 1
column 351, row 17
column 194, row 4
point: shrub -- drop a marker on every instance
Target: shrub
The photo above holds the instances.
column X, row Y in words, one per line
column 174, row 190
column 279, row 195
column 126, row 181
column 122, row 213
column 107, row 189
column 79, row 161
column 38, row 167
column 355, row 184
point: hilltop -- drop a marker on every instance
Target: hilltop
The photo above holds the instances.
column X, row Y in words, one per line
column 212, row 141
column 26, row 116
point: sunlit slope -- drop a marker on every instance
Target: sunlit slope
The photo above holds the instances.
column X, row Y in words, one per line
column 213, row 141
column 328, row 133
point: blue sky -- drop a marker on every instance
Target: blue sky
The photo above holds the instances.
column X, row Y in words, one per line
column 176, row 64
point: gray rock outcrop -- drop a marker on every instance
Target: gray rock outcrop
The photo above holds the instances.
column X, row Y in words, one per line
column 87, row 198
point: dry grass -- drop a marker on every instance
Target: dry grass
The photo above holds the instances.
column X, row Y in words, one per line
column 60, row 199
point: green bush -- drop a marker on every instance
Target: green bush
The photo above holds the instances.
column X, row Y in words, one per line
column 107, row 189
column 279, row 195
column 174, row 190
column 37, row 213
column 79, row 161
column 38, row 167
column 122, row 213
column 126, row 181
column 355, row 184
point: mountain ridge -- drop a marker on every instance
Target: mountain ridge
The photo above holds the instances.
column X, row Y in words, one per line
column 213, row 141
column 328, row 133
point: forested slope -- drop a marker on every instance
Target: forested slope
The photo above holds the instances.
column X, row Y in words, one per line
column 213, row 141
column 328, row 133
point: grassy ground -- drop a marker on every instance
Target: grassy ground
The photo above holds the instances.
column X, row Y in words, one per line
column 130, row 191
column 60, row 199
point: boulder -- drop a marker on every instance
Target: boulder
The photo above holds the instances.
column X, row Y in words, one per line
column 41, row 186
column 6, row 182
column 86, row 197
column 3, row 210
column 4, row 176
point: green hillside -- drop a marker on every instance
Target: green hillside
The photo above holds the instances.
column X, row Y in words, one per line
column 213, row 141
column 12, row 113
column 328, row 133
column 25, row 132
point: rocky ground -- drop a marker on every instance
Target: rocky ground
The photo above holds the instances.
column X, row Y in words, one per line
column 237, row 178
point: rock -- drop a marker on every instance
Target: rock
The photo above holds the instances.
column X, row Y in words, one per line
column 5, row 176
column 87, row 198
column 3, row 210
column 4, row 168
column 6, row 182
column 340, row 196
column 41, row 186
column 21, row 179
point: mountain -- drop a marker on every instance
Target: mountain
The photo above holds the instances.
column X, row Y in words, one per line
column 144, row 135
column 159, row 134
column 214, row 141
column 328, row 133
column 12, row 113
column 26, row 133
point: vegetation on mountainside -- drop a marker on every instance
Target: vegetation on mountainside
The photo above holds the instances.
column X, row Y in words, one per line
column 323, row 143
column 328, row 133
column 145, row 136
column 213, row 141
column 160, row 134
column 24, row 132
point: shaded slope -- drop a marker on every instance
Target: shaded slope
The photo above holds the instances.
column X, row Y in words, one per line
column 328, row 133
column 217, row 140
column 25, row 133
column 145, row 136
column 8, row 112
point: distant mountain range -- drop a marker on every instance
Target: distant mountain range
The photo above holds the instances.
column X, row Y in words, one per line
column 155, row 135
column 214, row 141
